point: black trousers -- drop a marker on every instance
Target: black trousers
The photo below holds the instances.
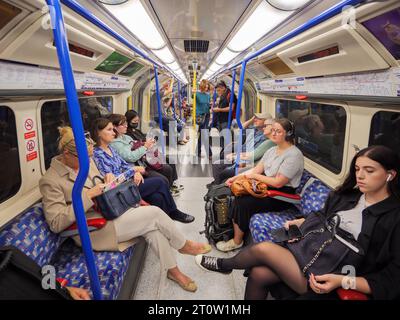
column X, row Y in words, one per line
column 246, row 206
column 156, row 192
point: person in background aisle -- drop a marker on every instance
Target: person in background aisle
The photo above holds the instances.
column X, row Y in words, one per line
column 203, row 118
column 153, row 190
column 221, row 109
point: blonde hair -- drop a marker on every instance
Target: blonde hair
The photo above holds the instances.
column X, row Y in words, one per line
column 203, row 85
column 66, row 140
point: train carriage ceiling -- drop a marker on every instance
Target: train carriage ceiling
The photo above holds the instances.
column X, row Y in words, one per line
column 197, row 29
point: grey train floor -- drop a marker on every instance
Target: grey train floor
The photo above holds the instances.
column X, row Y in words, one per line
column 211, row 286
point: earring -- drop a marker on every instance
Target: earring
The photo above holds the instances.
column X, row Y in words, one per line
column 389, row 177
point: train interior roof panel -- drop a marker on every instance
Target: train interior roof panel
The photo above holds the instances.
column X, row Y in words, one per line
column 216, row 122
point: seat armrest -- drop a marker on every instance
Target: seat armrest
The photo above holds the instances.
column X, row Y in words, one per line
column 287, row 197
column 63, row 282
column 93, row 225
column 351, row 295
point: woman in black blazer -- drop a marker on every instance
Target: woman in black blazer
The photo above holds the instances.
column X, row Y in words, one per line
column 368, row 204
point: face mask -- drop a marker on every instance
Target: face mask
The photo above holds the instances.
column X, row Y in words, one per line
column 134, row 125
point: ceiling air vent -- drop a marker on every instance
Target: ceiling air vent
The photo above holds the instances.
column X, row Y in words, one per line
column 196, row 45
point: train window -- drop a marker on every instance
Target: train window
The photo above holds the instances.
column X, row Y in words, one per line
column 385, row 130
column 320, row 130
column 10, row 173
column 55, row 114
column 7, row 13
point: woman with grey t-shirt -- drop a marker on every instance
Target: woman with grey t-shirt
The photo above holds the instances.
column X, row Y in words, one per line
column 280, row 168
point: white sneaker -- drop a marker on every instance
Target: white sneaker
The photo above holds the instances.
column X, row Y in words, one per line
column 177, row 186
column 175, row 193
column 229, row 245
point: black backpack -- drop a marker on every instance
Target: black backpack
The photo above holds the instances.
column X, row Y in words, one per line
column 218, row 223
column 21, row 278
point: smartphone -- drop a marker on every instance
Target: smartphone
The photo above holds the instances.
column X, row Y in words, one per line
column 294, row 232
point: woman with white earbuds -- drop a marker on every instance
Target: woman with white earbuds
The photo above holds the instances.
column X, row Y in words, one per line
column 368, row 204
column 280, row 168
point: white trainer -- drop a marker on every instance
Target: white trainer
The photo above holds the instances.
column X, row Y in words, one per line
column 229, row 245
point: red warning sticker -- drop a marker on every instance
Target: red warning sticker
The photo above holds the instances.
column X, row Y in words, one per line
column 31, row 156
column 30, row 135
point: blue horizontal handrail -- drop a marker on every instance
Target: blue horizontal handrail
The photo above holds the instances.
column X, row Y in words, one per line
column 82, row 11
column 64, row 59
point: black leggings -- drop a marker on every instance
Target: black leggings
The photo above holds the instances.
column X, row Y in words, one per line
column 270, row 264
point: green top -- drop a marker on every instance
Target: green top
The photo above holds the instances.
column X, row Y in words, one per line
column 123, row 146
column 261, row 149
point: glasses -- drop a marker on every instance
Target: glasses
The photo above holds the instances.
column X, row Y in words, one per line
column 267, row 125
column 277, row 131
column 125, row 124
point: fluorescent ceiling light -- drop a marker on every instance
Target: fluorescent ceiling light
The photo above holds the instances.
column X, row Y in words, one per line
column 214, row 67
column 135, row 18
column 288, row 5
column 226, row 56
column 165, row 55
column 261, row 21
column 174, row 66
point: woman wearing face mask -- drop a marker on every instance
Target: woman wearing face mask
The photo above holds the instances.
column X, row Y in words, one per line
column 153, row 190
column 167, row 169
column 133, row 120
column 117, row 235
column 368, row 204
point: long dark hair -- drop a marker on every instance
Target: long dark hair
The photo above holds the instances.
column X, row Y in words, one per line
column 386, row 157
column 98, row 125
column 131, row 114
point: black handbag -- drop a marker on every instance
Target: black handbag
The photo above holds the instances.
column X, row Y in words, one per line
column 21, row 278
column 116, row 201
column 323, row 247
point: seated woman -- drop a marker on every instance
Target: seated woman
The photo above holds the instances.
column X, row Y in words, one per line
column 148, row 221
column 222, row 171
column 168, row 169
column 368, row 204
column 280, row 168
column 153, row 190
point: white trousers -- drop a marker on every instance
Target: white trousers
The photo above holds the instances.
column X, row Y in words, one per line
column 156, row 227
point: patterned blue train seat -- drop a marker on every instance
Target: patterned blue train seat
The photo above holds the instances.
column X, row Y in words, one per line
column 30, row 233
column 313, row 199
column 112, row 266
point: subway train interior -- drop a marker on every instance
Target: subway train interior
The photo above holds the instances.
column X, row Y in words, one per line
column 182, row 96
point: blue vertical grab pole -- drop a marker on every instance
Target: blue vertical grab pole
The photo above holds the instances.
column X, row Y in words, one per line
column 64, row 59
column 180, row 99
column 159, row 110
column 231, row 99
column 238, row 110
